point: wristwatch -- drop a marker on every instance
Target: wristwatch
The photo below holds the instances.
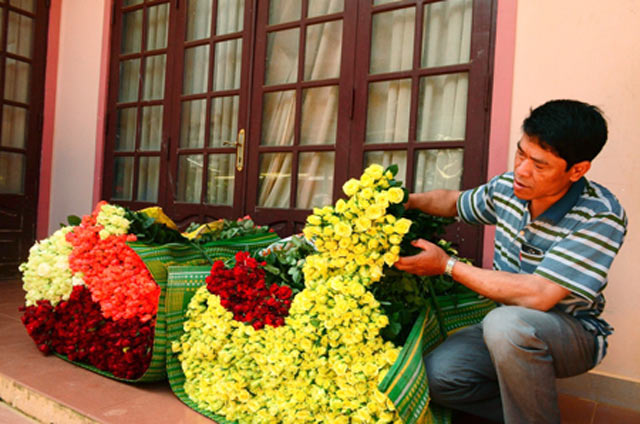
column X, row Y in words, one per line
column 448, row 269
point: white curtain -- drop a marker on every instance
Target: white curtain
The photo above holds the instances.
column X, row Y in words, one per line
column 319, row 115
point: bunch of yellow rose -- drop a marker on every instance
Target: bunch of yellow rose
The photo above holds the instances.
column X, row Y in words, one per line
column 325, row 363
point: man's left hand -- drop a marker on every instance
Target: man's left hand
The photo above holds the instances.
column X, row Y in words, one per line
column 431, row 261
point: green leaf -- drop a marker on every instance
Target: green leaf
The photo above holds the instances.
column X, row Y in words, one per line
column 73, row 220
column 393, row 168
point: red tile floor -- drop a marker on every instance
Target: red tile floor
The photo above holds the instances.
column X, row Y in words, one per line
column 55, row 391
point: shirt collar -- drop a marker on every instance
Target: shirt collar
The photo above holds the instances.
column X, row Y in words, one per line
column 560, row 208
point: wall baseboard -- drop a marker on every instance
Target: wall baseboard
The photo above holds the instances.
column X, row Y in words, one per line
column 602, row 388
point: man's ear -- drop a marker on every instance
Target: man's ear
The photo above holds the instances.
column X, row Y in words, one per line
column 578, row 170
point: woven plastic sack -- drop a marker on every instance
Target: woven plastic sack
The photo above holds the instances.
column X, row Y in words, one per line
column 406, row 383
column 158, row 259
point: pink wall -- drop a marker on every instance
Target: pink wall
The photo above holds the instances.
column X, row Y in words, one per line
column 74, row 126
column 500, row 104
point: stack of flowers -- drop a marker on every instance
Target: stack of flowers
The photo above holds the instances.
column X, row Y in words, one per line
column 326, row 360
column 90, row 297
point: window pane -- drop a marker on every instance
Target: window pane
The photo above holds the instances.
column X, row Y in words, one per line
column 319, row 115
column 12, row 168
column 278, row 118
column 282, row 57
column 16, row 82
column 221, row 179
column 227, row 67
column 151, row 134
column 193, row 123
column 274, row 181
column 14, row 127
column 131, row 32
column 230, row 16
column 224, row 120
column 129, row 79
column 442, row 107
column 154, row 73
column 198, row 19
column 284, row 11
column 28, row 5
column 126, row 3
column 388, row 111
column 323, row 51
column 148, row 178
column 392, row 41
column 315, row 179
column 196, row 70
column 389, row 157
column 446, row 35
column 19, row 34
column 122, row 178
column 126, row 129
column 324, row 7
column 377, row 2
column 189, row 178
column 436, row 169
column 157, row 26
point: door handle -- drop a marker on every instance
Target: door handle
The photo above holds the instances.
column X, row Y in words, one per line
column 239, row 145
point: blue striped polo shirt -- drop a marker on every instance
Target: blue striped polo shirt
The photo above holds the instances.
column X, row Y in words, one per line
column 572, row 243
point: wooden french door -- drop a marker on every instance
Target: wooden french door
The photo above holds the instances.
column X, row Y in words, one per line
column 222, row 108
column 23, row 29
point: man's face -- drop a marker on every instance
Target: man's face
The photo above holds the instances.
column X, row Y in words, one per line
column 540, row 175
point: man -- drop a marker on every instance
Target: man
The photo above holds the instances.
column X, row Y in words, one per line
column 557, row 235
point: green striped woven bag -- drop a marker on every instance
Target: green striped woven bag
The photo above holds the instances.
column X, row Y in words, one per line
column 405, row 383
column 158, row 259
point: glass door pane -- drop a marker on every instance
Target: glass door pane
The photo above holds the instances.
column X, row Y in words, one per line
column 140, row 105
column 300, row 113
column 211, row 104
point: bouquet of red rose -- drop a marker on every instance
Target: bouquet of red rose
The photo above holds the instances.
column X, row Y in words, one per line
column 90, row 297
column 95, row 289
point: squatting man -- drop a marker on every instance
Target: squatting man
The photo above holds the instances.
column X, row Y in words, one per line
column 557, row 234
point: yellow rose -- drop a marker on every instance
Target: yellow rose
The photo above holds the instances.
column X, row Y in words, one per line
column 314, row 220
column 341, row 206
column 374, row 170
column 402, row 226
column 366, row 180
column 351, row 187
column 342, row 229
column 374, row 211
column 363, row 224
column 390, row 258
column 396, row 195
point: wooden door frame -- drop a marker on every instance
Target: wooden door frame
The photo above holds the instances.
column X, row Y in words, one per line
column 33, row 146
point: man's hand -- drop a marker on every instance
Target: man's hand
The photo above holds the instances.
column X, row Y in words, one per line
column 431, row 261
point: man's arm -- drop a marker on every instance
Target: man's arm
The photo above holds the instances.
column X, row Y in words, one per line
column 529, row 290
column 436, row 202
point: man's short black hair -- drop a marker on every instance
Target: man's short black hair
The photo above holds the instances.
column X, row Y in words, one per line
column 573, row 130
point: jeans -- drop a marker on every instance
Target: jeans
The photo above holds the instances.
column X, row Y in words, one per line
column 504, row 368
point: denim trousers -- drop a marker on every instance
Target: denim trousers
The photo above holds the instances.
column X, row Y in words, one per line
column 504, row 368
